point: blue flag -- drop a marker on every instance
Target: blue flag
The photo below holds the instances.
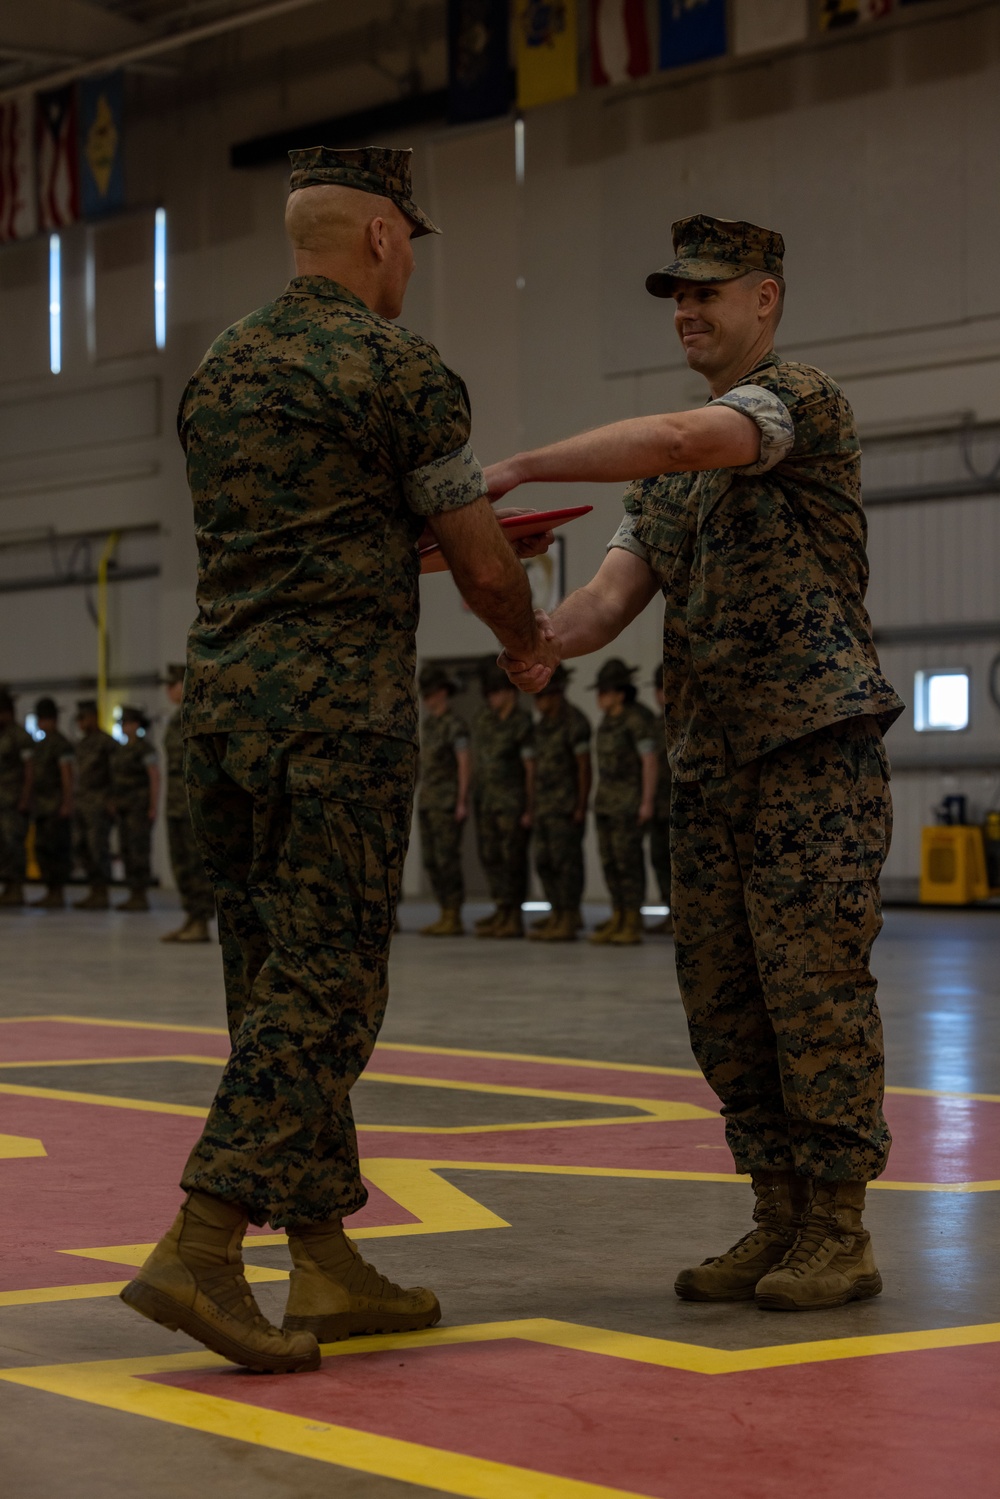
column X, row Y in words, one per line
column 480, row 78
column 691, row 31
column 100, row 112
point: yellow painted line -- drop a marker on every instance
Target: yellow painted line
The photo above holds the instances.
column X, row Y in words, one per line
column 107, row 1100
column 17, row 1147
column 115, row 1061
column 524, row 1056
column 40, row 1295
column 118, row 1025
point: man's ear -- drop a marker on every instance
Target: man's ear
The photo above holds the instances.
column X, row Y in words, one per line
column 377, row 238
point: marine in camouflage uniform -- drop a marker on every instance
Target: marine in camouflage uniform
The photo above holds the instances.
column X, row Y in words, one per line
column 320, row 436
column 562, row 791
column 16, row 751
column 775, row 710
column 93, row 814
column 52, row 805
column 503, row 757
column 186, row 863
column 135, row 790
column 659, row 823
column 443, row 806
column 623, row 805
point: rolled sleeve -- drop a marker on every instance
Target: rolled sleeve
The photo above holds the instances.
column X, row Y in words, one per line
column 646, row 746
column 445, row 483
column 771, row 416
column 627, row 541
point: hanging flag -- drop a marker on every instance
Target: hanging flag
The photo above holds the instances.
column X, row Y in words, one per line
column 759, row 25
column 58, row 174
column 545, row 37
column 619, row 41
column 480, row 78
column 100, row 108
column 18, row 207
column 836, row 13
column 691, row 31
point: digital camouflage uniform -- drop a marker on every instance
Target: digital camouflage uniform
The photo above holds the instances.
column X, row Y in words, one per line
column 622, row 740
column 95, row 754
column 780, row 816
column 560, row 738
column 193, row 884
column 130, row 795
column 16, row 749
column 500, row 749
column 659, row 825
column 319, row 438
column 53, row 833
column 440, row 835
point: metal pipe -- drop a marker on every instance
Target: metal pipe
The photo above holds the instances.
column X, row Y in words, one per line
column 80, row 580
column 110, row 546
column 177, row 39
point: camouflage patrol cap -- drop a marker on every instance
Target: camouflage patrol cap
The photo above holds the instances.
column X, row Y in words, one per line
column 494, row 679
column 614, row 676
column 175, row 674
column 382, row 170
column 46, row 708
column 707, row 249
column 556, row 683
column 434, row 679
column 86, row 705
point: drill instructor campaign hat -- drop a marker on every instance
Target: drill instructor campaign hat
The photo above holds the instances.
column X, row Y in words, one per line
column 175, row 673
column 382, row 170
column 557, row 681
column 614, row 676
column 434, row 679
column 707, row 249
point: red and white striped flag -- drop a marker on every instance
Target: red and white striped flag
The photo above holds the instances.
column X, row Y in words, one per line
column 18, row 211
column 58, row 158
column 619, row 41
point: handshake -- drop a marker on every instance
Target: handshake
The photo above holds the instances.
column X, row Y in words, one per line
column 533, row 673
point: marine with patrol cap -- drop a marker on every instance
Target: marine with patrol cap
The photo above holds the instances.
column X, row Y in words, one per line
column 443, row 804
column 562, row 792
column 503, row 757
column 16, row 775
column 93, row 809
column 135, row 795
column 322, row 438
column 52, row 805
column 623, row 806
column 186, row 863
column 746, row 516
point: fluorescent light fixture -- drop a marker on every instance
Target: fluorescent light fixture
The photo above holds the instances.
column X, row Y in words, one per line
column 941, row 701
column 519, row 152
column 535, row 905
column 160, row 276
column 55, row 303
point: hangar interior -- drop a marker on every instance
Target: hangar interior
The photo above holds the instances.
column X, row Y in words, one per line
column 537, row 1136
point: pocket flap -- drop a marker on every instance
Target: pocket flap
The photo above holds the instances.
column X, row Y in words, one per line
column 842, row 861
column 343, row 781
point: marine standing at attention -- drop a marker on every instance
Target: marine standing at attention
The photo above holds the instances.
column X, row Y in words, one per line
column 135, row 793
column 503, row 758
column 93, row 815
column 321, row 439
column 659, row 823
column 562, row 792
column 746, row 515
column 16, row 774
column 193, row 884
column 443, row 806
column 623, row 806
column 52, row 806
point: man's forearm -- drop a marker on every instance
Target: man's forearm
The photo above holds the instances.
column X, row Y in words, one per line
column 504, row 604
column 586, row 622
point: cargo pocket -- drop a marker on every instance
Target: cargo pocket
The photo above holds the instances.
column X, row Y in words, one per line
column 665, row 531
column 346, row 841
column 843, row 908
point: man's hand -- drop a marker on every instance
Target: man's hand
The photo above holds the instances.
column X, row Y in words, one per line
column 532, row 676
column 502, row 477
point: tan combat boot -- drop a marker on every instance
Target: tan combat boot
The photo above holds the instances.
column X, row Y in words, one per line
column 193, row 1282
column 630, row 933
column 482, row 925
column 52, row 900
column 97, row 900
column 194, row 930
column 563, row 929
column 831, row 1261
column 781, row 1199
column 542, row 924
column 510, row 924
column 13, row 895
column 335, row 1294
column 605, row 930
column 136, row 902
column 448, row 924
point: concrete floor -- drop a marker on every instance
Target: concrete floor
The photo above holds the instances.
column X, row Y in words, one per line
column 581, row 1190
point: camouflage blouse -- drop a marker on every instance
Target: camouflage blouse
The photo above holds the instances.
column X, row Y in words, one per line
column 440, row 739
column 559, row 739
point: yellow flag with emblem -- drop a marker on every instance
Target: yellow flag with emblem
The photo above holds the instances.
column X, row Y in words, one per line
column 546, row 48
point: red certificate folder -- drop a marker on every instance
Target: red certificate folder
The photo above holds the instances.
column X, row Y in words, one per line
column 534, row 523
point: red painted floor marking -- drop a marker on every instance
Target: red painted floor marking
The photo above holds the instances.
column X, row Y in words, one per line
column 906, row 1423
column 53, row 1040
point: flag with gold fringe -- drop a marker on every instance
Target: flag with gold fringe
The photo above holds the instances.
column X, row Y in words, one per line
column 102, row 176
column 546, row 46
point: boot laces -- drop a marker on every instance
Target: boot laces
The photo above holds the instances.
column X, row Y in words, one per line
column 816, row 1229
column 229, row 1289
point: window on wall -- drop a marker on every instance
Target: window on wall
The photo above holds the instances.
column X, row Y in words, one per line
column 941, row 701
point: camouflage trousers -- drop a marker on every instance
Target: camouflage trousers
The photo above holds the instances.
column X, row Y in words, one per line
column 659, row 854
column 13, row 832
column 503, row 853
column 441, row 851
column 776, row 907
column 619, row 839
column 193, row 885
column 558, row 843
column 92, row 841
column 303, row 836
column 54, row 848
column 135, row 841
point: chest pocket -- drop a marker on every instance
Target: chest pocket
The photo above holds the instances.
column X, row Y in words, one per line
column 665, row 529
